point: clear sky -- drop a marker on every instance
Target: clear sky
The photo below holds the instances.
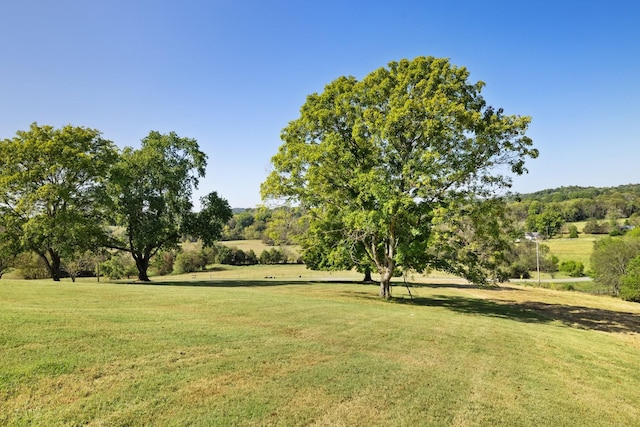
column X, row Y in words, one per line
column 233, row 73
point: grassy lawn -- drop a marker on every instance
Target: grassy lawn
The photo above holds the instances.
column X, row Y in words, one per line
column 257, row 246
column 296, row 351
column 579, row 249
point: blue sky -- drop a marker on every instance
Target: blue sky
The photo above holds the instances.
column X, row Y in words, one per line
column 232, row 74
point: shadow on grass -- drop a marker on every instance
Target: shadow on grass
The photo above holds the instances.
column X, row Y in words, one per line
column 238, row 283
column 574, row 316
column 530, row 311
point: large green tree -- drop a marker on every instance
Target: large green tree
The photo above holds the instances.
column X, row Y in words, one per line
column 611, row 257
column 52, row 196
column 151, row 191
column 408, row 155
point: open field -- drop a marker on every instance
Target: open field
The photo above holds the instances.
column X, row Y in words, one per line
column 579, row 249
column 298, row 351
column 257, row 246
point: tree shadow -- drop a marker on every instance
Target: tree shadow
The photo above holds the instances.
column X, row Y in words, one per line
column 237, row 283
column 500, row 287
column 530, row 311
column 574, row 316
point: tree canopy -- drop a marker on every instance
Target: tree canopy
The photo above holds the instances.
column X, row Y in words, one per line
column 151, row 189
column 611, row 259
column 408, row 157
column 52, row 195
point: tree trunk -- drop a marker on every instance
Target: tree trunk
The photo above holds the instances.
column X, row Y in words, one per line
column 385, row 283
column 367, row 275
column 142, row 264
column 52, row 265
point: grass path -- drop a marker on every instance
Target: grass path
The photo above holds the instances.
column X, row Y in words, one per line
column 292, row 352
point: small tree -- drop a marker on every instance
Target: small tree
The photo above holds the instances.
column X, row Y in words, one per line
column 189, row 262
column 573, row 232
column 595, row 227
column 31, row 266
column 572, row 268
column 163, row 263
column 118, row 266
column 630, row 281
column 610, row 258
column 84, row 262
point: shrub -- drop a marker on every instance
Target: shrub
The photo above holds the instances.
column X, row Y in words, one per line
column 594, row 227
column 572, row 268
column 274, row 256
column 31, row 266
column 118, row 266
column 188, row 262
column 251, row 257
column 630, row 281
column 573, row 232
column 518, row 271
column 162, row 264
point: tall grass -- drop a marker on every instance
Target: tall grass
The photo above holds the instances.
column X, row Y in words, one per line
column 285, row 352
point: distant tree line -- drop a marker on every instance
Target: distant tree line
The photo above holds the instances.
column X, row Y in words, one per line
column 606, row 210
column 277, row 226
column 572, row 204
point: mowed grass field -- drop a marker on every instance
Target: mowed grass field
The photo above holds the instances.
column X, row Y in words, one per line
column 579, row 249
column 293, row 351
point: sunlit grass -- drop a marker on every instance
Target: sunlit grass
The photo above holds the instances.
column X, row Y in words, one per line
column 579, row 249
column 292, row 352
column 257, row 246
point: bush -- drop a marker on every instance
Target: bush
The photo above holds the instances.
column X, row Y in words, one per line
column 573, row 232
column 189, row 261
column 518, row 271
column 274, row 256
column 630, row 281
column 119, row 266
column 594, row 227
column 31, row 266
column 162, row 264
column 572, row 268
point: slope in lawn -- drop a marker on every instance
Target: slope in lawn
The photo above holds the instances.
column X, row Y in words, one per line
column 278, row 352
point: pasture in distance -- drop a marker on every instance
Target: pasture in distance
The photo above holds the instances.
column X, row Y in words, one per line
column 301, row 351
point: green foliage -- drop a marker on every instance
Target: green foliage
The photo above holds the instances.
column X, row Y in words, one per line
column 573, row 232
column 547, row 223
column 9, row 250
column 595, row 227
column 523, row 259
column 630, row 281
column 404, row 155
column 284, row 227
column 572, row 268
column 163, row 263
column 610, row 258
column 274, row 256
column 118, row 266
column 81, row 263
column 31, row 266
column 52, row 198
column 151, row 190
column 217, row 254
column 189, row 262
column 582, row 203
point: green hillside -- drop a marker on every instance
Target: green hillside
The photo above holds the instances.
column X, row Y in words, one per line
column 276, row 352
